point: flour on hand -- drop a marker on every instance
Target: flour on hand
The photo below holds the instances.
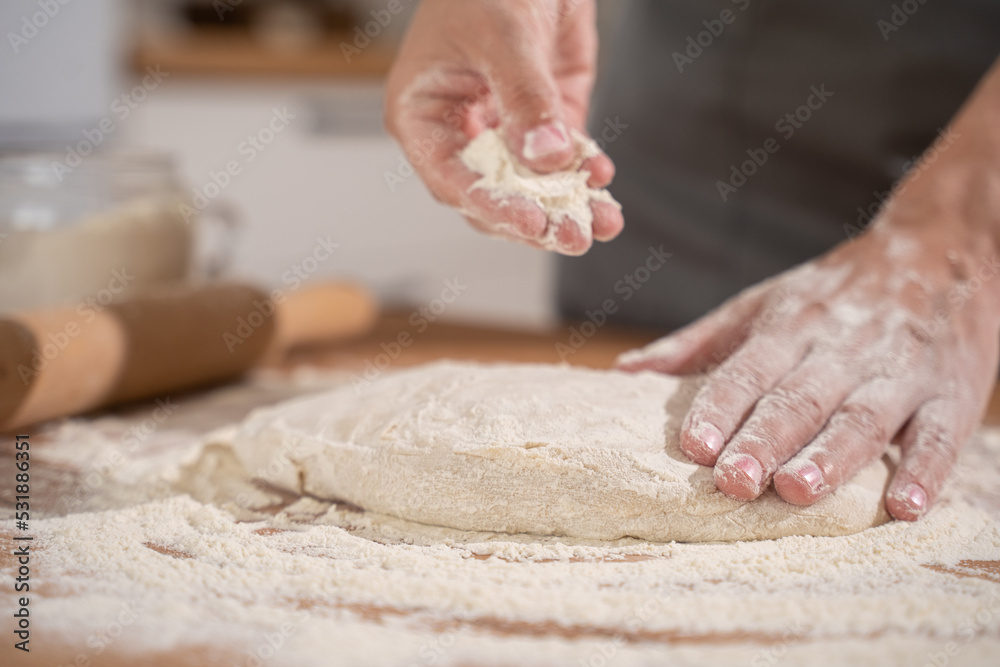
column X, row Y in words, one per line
column 564, row 196
column 543, row 450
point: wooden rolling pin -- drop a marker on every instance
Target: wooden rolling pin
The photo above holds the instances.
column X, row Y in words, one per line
column 72, row 360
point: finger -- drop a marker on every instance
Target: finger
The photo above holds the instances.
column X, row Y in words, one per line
column 608, row 221
column 730, row 393
column 509, row 217
column 501, row 229
column 433, row 122
column 857, row 434
column 503, row 233
column 701, row 344
column 930, row 444
column 567, row 237
column 531, row 109
column 602, row 170
column 781, row 424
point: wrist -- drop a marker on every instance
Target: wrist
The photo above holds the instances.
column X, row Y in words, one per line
column 942, row 224
column 953, row 193
column 950, row 199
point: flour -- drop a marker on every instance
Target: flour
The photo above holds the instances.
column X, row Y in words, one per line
column 537, row 449
column 225, row 571
column 564, row 196
column 145, row 239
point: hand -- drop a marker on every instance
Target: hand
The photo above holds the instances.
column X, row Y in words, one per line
column 526, row 66
column 892, row 336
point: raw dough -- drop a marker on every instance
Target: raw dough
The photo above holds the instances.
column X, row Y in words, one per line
column 546, row 450
column 564, row 196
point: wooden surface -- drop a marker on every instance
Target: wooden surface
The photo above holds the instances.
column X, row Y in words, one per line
column 443, row 340
column 440, row 340
column 219, row 53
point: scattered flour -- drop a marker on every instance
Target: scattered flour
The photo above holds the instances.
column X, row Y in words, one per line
column 193, row 560
column 564, row 196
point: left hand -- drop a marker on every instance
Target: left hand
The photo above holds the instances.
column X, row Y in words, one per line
column 894, row 336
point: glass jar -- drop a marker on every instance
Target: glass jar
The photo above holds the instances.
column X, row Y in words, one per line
column 100, row 230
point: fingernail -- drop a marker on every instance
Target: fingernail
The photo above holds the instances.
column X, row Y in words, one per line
column 709, row 436
column 750, row 467
column 811, row 475
column 915, row 497
column 545, row 140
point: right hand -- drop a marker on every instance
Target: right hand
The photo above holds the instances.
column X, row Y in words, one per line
column 526, row 66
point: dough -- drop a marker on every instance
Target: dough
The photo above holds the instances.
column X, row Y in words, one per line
column 538, row 449
column 564, row 196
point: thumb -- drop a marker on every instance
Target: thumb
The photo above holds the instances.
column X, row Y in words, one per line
column 531, row 113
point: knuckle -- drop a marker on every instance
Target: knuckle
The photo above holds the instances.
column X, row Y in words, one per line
column 741, row 381
column 935, row 441
column 864, row 420
column 798, row 403
column 912, row 337
column 529, row 101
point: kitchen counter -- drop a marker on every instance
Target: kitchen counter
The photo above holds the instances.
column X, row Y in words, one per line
column 53, row 481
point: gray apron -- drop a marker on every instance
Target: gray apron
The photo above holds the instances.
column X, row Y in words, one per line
column 818, row 106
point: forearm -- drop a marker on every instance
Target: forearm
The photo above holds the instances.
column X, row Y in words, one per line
column 950, row 201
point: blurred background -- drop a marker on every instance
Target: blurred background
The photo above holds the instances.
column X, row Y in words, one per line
column 262, row 114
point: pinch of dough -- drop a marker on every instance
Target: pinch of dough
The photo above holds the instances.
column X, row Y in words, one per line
column 545, row 450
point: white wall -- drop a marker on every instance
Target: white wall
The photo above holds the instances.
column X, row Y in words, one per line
column 308, row 184
column 59, row 67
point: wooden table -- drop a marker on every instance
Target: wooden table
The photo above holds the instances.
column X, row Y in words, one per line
column 440, row 340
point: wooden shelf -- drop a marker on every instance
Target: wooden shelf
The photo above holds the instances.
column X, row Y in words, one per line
column 221, row 53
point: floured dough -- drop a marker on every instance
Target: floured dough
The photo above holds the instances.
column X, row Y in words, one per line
column 546, row 450
column 564, row 196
